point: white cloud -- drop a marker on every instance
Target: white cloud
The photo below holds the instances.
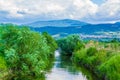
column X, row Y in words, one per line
column 10, row 8
column 84, row 8
column 59, row 9
column 38, row 7
column 108, row 11
column 15, row 8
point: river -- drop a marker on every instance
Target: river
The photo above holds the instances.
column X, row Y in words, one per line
column 64, row 70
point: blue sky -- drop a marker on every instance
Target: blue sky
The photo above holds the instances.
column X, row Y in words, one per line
column 92, row 11
column 99, row 2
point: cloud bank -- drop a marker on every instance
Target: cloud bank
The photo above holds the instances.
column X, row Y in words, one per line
column 85, row 10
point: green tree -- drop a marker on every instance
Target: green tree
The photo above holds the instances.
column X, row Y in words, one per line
column 26, row 52
column 51, row 42
column 70, row 44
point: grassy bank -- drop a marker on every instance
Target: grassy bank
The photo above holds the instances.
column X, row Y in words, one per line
column 101, row 58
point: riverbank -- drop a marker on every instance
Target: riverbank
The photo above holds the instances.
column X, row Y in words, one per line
column 64, row 69
column 103, row 63
column 101, row 58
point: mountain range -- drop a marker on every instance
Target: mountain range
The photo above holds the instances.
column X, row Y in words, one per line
column 67, row 26
column 58, row 23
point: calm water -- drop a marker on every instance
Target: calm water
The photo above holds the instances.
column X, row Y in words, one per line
column 64, row 70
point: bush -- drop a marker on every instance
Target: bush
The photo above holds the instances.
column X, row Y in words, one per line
column 3, row 65
column 50, row 42
column 26, row 52
column 79, row 56
column 91, row 51
column 70, row 44
column 101, row 56
column 86, row 57
column 110, row 70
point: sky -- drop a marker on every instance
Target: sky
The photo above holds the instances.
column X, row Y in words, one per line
column 92, row 11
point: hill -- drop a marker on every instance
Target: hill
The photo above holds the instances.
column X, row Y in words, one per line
column 57, row 23
column 61, row 28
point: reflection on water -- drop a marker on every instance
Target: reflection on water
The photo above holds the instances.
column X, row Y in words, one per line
column 64, row 70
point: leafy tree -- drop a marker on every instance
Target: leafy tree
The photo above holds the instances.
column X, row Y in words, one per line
column 26, row 52
column 70, row 44
column 50, row 41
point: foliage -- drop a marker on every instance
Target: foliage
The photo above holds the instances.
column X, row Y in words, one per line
column 103, row 62
column 91, row 51
column 70, row 44
column 101, row 58
column 110, row 70
column 3, row 65
column 50, row 41
column 26, row 52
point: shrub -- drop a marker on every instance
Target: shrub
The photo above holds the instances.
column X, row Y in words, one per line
column 110, row 70
column 91, row 51
column 70, row 44
column 26, row 52
column 3, row 67
column 103, row 63
column 50, row 42
column 79, row 56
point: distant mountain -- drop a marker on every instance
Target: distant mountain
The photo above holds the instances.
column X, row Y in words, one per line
column 117, row 23
column 86, row 29
column 65, row 27
column 57, row 23
column 101, row 27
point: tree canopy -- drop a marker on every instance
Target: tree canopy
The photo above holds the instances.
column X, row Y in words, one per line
column 25, row 52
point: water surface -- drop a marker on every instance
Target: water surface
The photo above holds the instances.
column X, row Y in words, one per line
column 64, row 70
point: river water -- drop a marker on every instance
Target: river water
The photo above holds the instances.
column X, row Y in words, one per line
column 64, row 70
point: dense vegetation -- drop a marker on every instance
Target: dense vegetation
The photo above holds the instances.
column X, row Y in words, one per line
column 101, row 58
column 70, row 44
column 24, row 53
